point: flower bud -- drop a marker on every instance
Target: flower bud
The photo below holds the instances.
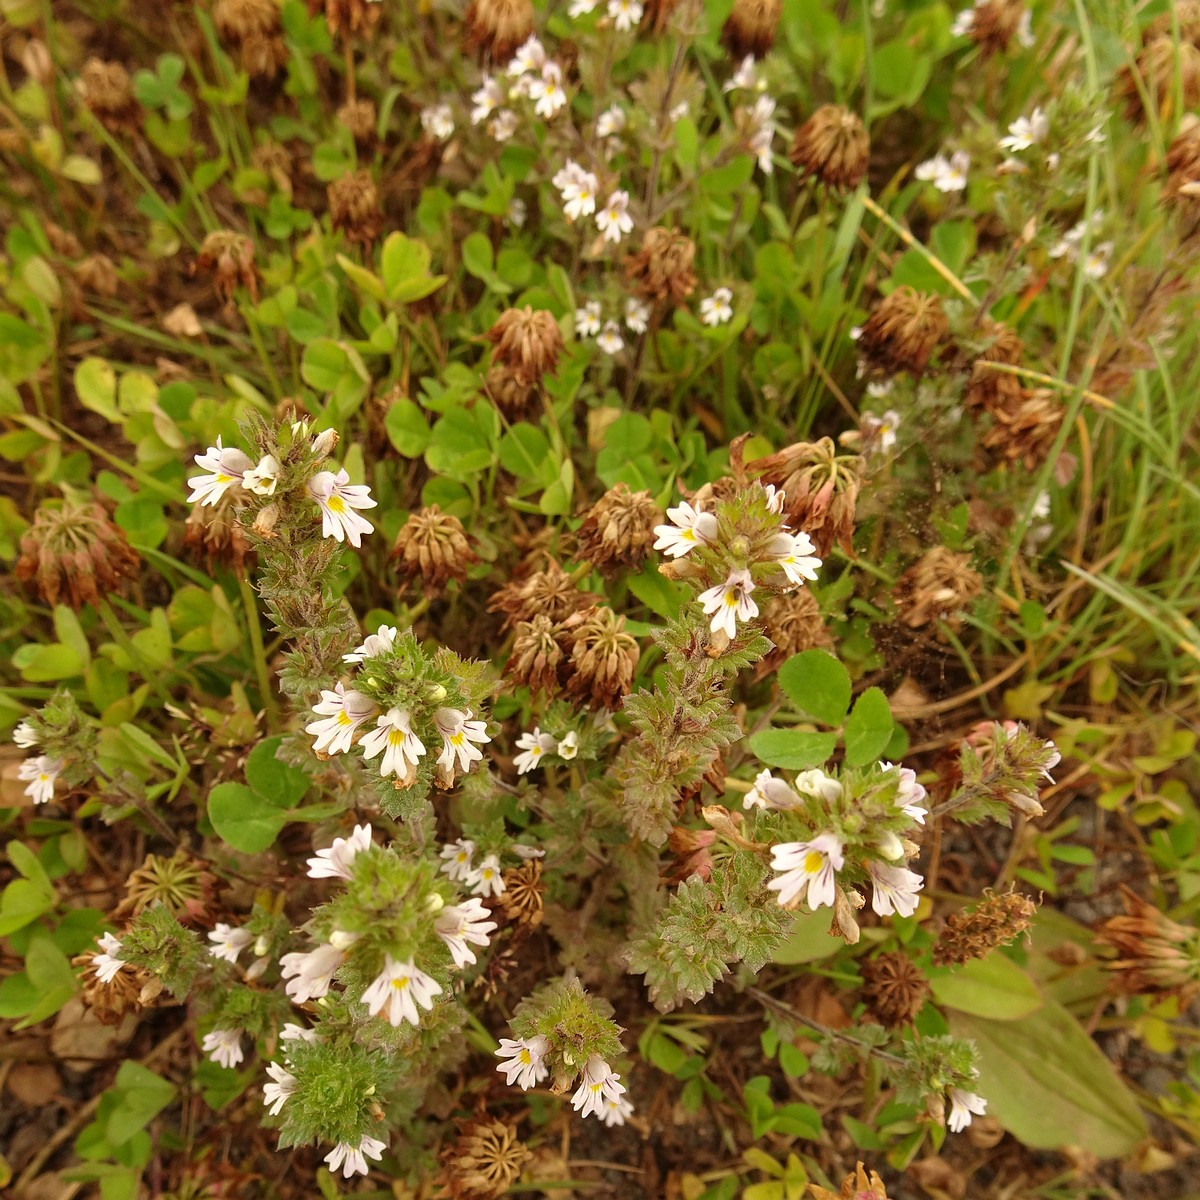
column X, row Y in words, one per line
column 324, row 444
column 890, row 846
column 341, row 940
column 436, row 693
column 435, row 902
column 261, row 945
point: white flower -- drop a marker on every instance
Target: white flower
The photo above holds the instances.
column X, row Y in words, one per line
column 794, row 553
column 610, row 121
column 107, row 964
column 1025, row 29
column 297, row 1033
column 610, row 339
column 533, row 746
column 716, row 309
column 276, row 1092
column 946, row 174
column 599, row 1083
column 578, row 188
column 615, row 1110
column 516, row 212
column 1025, row 131
column 689, row 528
column 40, row 773
column 437, row 121
column 625, row 14
column 456, row 859
column 580, row 8
column 398, row 989
column 334, row 861
column 1095, row 266
column 819, row 785
column 1040, row 509
column 379, row 642
column 530, row 56
column 910, row 794
column 568, row 747
column 526, row 1065
column 486, row 100
column 341, row 713
column 962, row 1105
column 24, row 736
column 613, row 220
column 963, row 23
column 637, row 314
column 883, row 428
column 744, row 77
column 458, row 924
column 459, row 737
column 401, row 748
column 261, row 479
column 763, row 133
column 808, row 871
column 894, row 889
column 587, row 319
column 769, row 792
column 228, row 941
column 547, row 90
column 352, row 1160
column 525, row 853
column 224, row 1047
column 775, row 497
column 879, row 388
column 501, row 127
column 486, row 880
column 730, row 602
column 679, row 111
column 337, row 498
column 310, row 975
column 225, row 466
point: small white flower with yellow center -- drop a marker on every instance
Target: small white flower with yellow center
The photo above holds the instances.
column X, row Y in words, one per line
column 40, row 773
column 526, row 1065
column 598, row 1084
column 910, row 795
column 547, row 91
column 689, row 528
column 533, row 746
column 437, row 121
column 1026, row 131
column 568, row 746
column 501, row 127
column 262, row 478
column 946, row 174
column 637, row 315
column 228, row 941
column 458, row 924
column 352, row 1160
column 895, row 889
column 615, row 1110
column 224, row 1047
column 962, row 1105
column 487, row 879
column 761, row 120
column 578, row 188
column 398, row 989
column 282, row 1085
column 625, row 14
column 225, row 467
column 106, row 964
column 610, row 339
column 24, row 736
column 613, row 220
column 1095, row 266
column 341, row 711
column 456, row 859
column 588, row 319
column 461, row 738
column 334, row 861
column 486, row 100
column 770, row 793
column 379, row 642
column 794, row 553
column 310, row 974
column 808, row 871
column 338, row 499
column 393, row 736
column 744, row 77
column 611, row 121
column 530, row 56
column 717, row 309
column 730, row 602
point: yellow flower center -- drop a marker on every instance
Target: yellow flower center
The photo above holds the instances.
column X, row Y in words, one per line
column 396, row 737
column 400, row 984
column 731, row 598
column 343, row 718
column 814, row 860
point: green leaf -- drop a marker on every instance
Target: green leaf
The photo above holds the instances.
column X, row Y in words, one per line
column 243, row 819
column 993, row 987
column 658, row 593
column 818, row 685
column 46, row 664
column 276, row 782
column 793, row 749
column 868, row 728
column 809, row 941
column 96, row 387
column 142, row 1096
column 404, row 265
column 406, row 428
column 525, row 453
column 556, row 500
column 21, row 903
column 1050, row 1085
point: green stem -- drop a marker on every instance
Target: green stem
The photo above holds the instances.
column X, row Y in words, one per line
column 117, row 631
column 254, row 624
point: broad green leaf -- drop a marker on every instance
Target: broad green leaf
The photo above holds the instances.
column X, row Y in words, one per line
column 993, row 987
column 96, row 387
column 658, row 593
column 21, row 903
column 793, row 749
column 142, row 1096
column 404, row 265
column 276, row 782
column 868, row 728
column 818, row 685
column 47, row 663
column 809, row 941
column 243, row 819
column 1050, row 1085
column 406, row 428
column 525, row 453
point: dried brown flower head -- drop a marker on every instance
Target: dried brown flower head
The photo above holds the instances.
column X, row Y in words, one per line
column 354, row 207
column 483, row 1161
column 1155, row 955
column 794, row 623
column 360, row 117
column 995, row 23
column 692, row 850
column 131, row 990
column 348, row 17
column 433, row 546
column 495, row 29
column 603, row 657
column 263, row 56
column 74, row 553
column 521, row 900
column 536, row 656
column 833, row 145
column 618, row 530
column 1182, row 188
column 856, row 1186
column 237, row 20
column 937, row 586
column 895, row 988
column 62, row 241
column 182, row 883
column 1154, row 71
column 527, row 342
column 510, row 392
column 106, row 90
column 993, row 390
column 229, row 258
column 995, row 921
column 213, row 535
column 903, row 331
column 750, row 27
column 661, row 270
column 820, row 490
column 1185, row 14
column 98, row 274
column 657, row 14
column 1025, row 431
column 551, row 593
column 276, row 161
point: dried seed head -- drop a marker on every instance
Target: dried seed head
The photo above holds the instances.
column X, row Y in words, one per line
column 603, row 657
column 495, row 29
column 521, row 900
column 263, row 56
column 130, row 990
column 1154, row 69
column 856, row 1186
column 510, row 392
column 98, row 274
column 536, row 655
column 229, row 258
column 213, row 535
column 237, row 20
column 73, row 552
column 662, row 269
column 833, row 145
column 528, row 343
column 903, row 331
column 1186, row 15
column 937, row 586
column 106, row 90
column 276, row 160
column 62, row 241
column 1025, row 431
column 182, row 883
column 550, row 593
column 996, row 390
column 657, row 15
column 345, row 18
column 1155, row 955
column 995, row 24
column 36, row 61
column 483, row 1161
column 354, row 206
column 750, row 27
column 820, row 490
column 794, row 623
column 1182, row 188
column 360, row 117
column 995, row 921
column 618, row 530
column 895, row 988
column 432, row 546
